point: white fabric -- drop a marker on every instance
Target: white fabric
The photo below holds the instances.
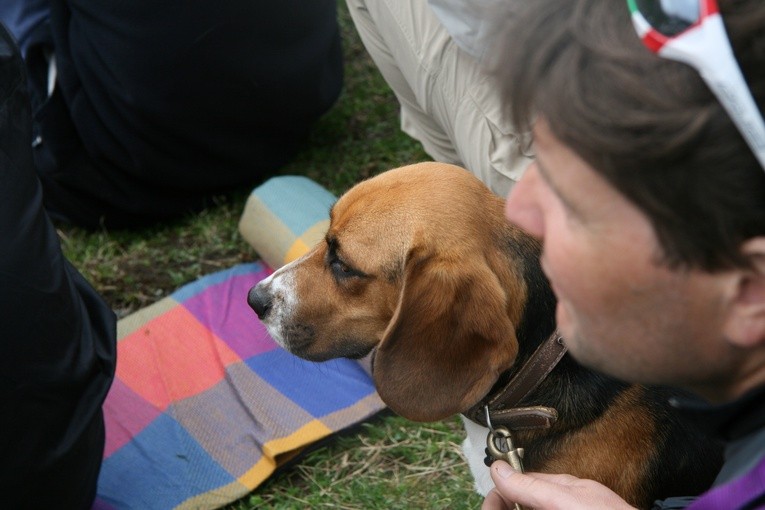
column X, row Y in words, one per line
column 474, row 448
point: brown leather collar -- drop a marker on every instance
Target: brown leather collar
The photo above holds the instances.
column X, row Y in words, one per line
column 502, row 404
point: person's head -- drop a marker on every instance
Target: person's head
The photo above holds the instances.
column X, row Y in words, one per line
column 650, row 203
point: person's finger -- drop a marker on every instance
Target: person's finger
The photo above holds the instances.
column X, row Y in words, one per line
column 560, row 479
column 494, row 501
column 517, row 487
column 551, row 492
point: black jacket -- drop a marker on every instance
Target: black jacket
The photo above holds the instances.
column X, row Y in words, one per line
column 57, row 336
column 161, row 104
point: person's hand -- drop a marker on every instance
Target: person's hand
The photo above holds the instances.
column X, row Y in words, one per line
column 547, row 492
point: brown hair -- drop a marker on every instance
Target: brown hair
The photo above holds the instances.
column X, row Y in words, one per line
column 649, row 125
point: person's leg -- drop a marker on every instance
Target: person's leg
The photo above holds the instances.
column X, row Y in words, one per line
column 447, row 99
column 381, row 34
column 150, row 119
column 57, row 353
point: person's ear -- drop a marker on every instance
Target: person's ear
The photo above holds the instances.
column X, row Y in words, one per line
column 745, row 326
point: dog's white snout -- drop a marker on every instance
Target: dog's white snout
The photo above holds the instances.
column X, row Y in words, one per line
column 274, row 300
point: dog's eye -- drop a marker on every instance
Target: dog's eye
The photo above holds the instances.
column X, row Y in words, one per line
column 343, row 270
column 338, row 266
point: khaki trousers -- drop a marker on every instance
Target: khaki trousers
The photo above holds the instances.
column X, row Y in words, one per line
column 448, row 101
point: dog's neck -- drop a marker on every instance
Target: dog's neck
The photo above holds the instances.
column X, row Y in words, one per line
column 500, row 406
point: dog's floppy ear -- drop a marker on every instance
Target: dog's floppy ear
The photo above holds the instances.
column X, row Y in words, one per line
column 448, row 341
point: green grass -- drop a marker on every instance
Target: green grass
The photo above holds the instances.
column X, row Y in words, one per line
column 390, row 463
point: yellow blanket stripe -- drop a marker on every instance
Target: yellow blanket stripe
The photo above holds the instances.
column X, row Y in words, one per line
column 307, row 434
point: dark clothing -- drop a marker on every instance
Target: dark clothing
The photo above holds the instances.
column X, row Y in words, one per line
column 731, row 421
column 744, row 493
column 159, row 105
column 742, row 425
column 740, row 484
column 57, row 337
column 22, row 18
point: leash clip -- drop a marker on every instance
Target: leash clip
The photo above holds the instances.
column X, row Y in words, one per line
column 499, row 446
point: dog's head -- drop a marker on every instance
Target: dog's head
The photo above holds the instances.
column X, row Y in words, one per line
column 416, row 266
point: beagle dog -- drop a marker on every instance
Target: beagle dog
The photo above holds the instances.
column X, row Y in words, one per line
column 420, row 268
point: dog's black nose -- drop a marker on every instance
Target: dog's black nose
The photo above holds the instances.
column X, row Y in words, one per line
column 259, row 300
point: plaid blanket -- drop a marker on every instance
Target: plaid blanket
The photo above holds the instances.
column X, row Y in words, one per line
column 205, row 406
